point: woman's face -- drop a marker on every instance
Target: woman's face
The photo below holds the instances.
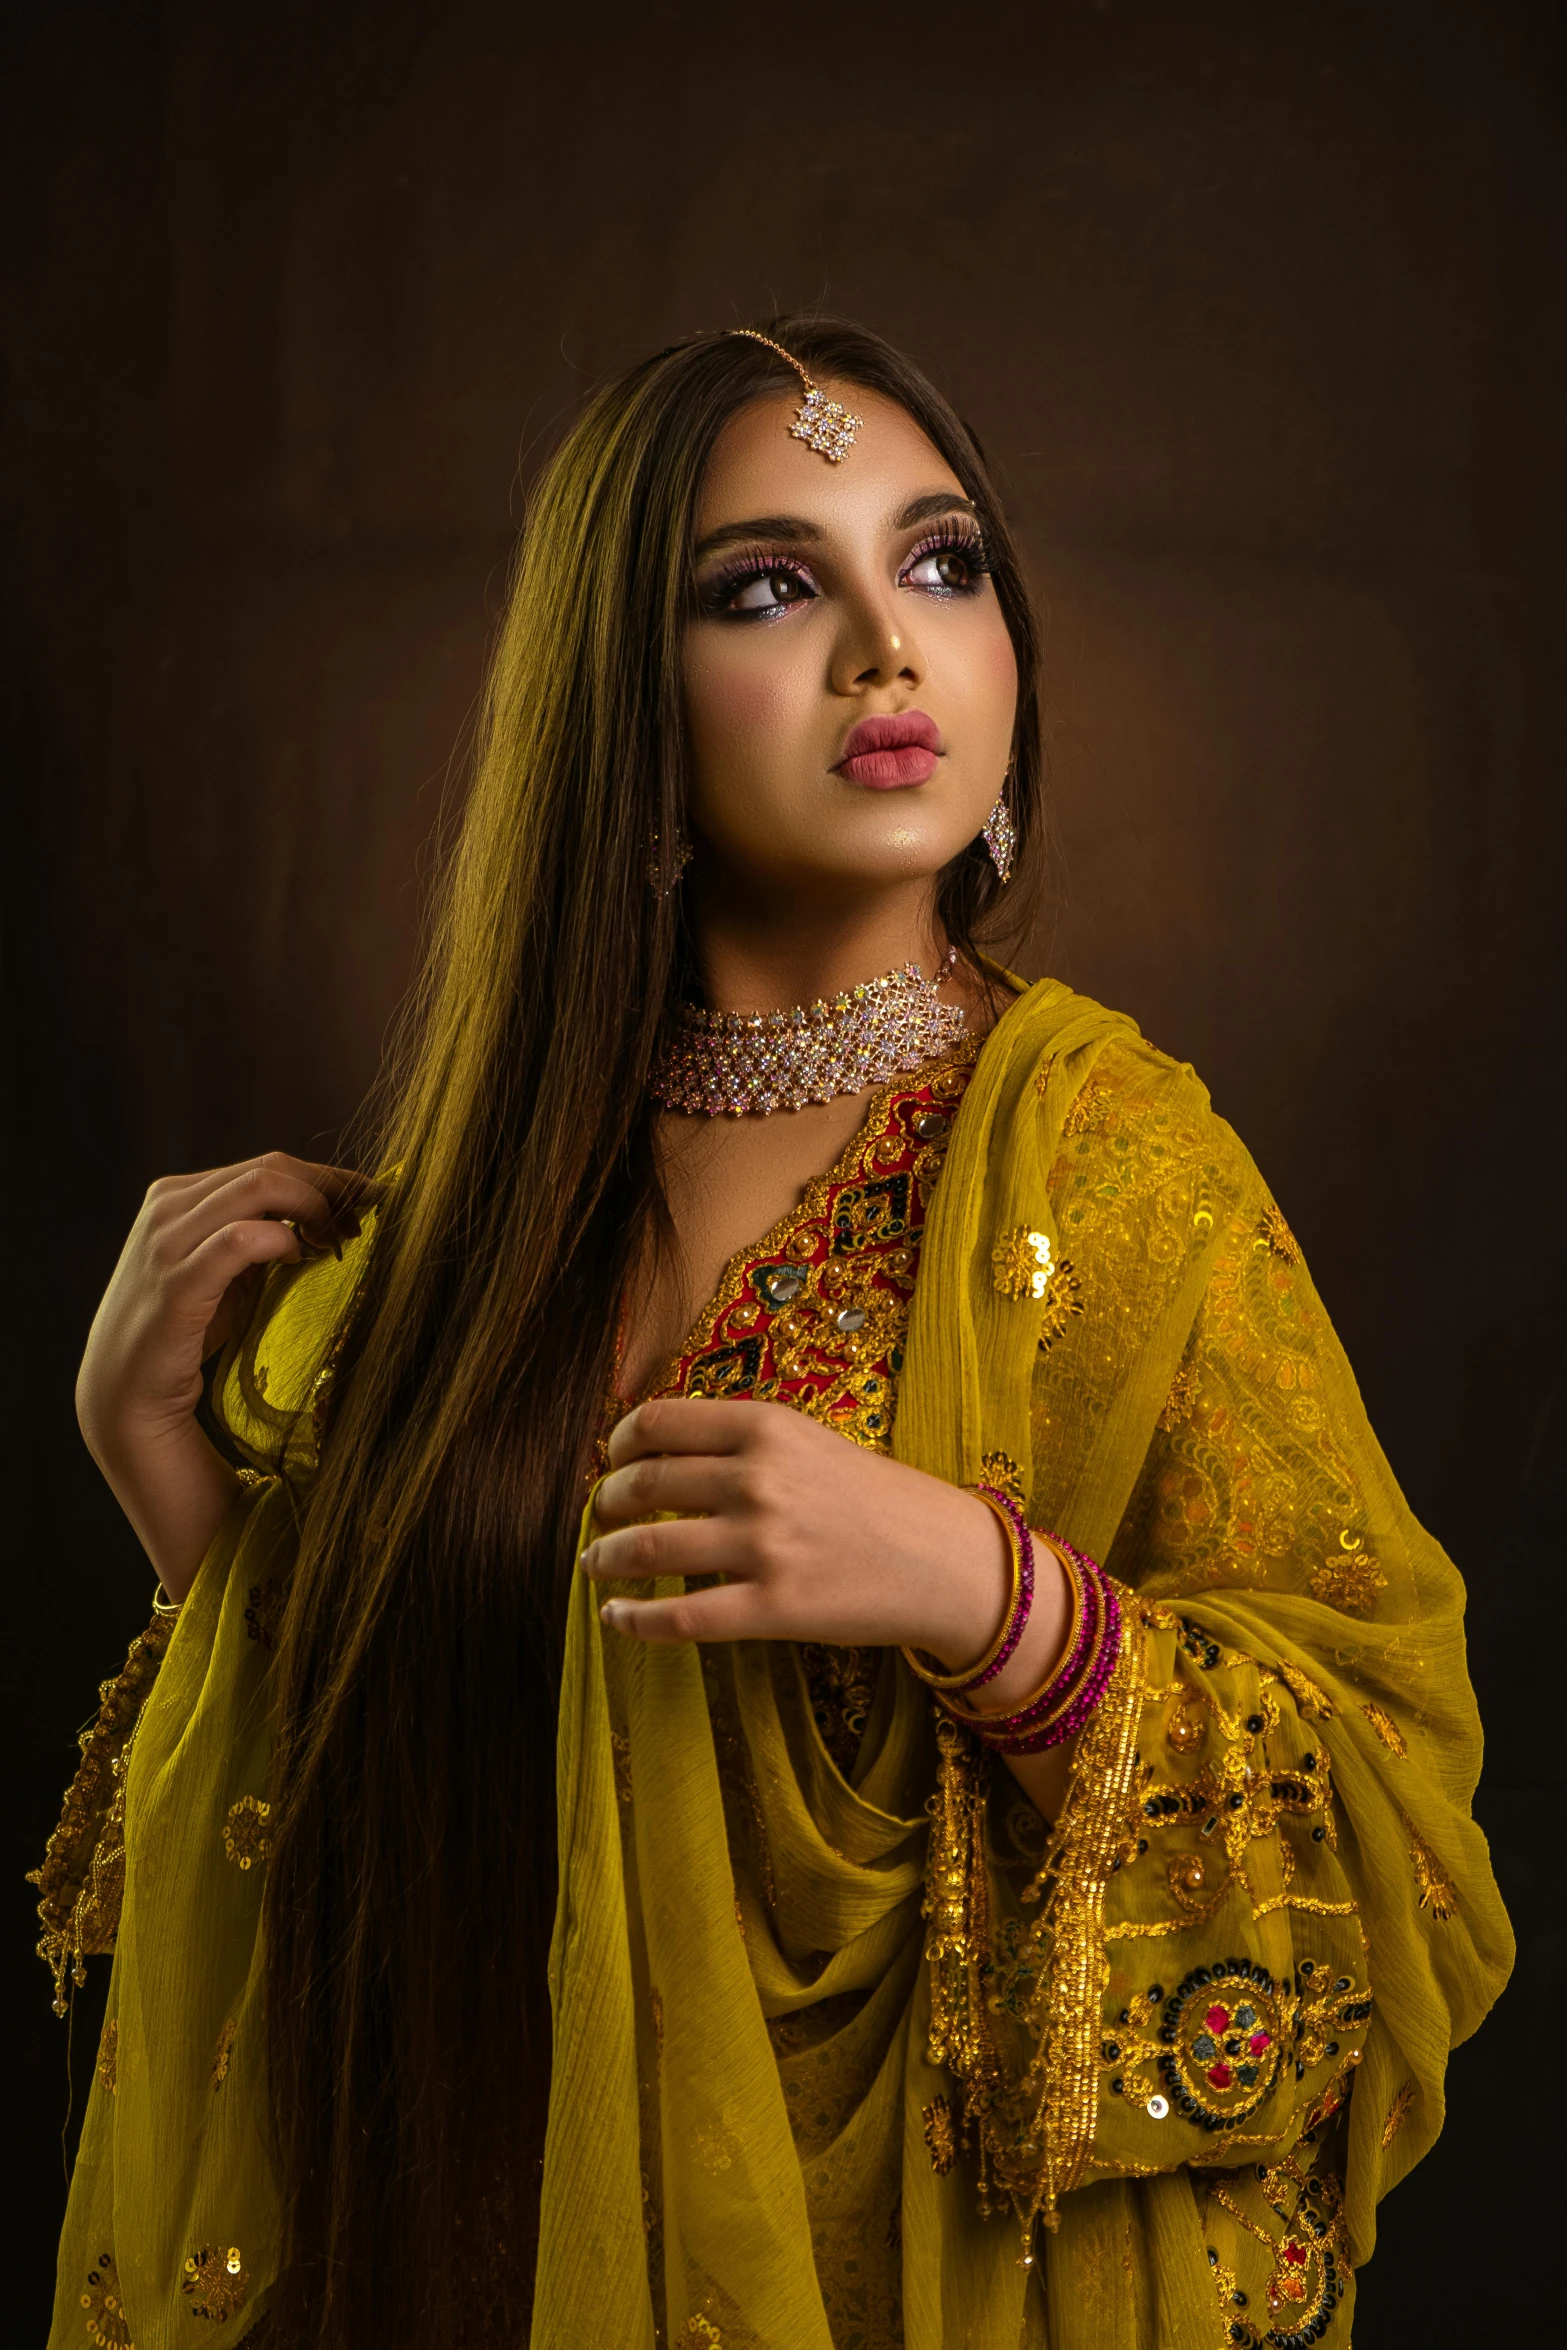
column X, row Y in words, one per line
column 850, row 684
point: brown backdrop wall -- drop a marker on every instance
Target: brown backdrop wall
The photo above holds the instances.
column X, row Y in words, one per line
column 1258, row 311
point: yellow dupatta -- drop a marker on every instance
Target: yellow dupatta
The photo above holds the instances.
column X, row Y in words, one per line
column 772, row 2040
column 751, row 2141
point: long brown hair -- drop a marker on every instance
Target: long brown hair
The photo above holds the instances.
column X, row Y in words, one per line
column 412, row 1883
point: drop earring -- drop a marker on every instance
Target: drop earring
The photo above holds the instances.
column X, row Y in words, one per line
column 999, row 833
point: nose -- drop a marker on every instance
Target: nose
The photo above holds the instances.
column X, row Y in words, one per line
column 876, row 644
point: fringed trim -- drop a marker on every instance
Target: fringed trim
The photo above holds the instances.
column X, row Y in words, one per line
column 82, row 1874
column 1033, row 2139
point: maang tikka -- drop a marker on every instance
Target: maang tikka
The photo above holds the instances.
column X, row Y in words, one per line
column 823, row 424
column 999, row 833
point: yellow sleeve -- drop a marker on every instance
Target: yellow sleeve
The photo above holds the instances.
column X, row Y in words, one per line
column 265, row 1407
column 1265, row 1891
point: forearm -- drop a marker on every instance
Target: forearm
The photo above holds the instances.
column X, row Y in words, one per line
column 174, row 1488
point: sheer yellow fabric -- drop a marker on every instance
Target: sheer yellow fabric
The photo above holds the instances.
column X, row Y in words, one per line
column 809, row 2026
column 172, row 2211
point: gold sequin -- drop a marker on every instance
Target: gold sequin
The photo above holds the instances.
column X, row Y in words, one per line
column 216, row 2282
column 701, row 2334
column 220, row 2061
column 107, row 2326
column 1022, row 1263
column 109, row 2056
column 940, row 2135
column 1186, row 1723
column 1397, row 2114
column 245, row 1836
column 1386, row 1729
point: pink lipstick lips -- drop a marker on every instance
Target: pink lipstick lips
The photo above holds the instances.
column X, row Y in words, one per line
column 888, row 754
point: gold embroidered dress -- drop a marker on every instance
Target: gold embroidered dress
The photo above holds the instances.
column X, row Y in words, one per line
column 852, row 2049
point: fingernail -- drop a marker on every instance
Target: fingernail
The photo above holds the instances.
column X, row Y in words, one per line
column 611, row 1614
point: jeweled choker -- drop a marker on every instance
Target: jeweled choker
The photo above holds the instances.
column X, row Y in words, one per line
column 744, row 1063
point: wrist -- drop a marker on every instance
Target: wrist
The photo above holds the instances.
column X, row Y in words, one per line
column 971, row 1589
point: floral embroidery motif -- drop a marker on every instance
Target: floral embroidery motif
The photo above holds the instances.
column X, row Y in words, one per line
column 842, row 1685
column 1313, row 1701
column 107, row 2326
column 225, row 2049
column 1181, row 1401
column 264, row 1611
column 1277, row 1236
column 1237, row 1798
column 109, row 2056
column 1397, row 2114
column 1023, row 1264
column 1349, row 1582
column 245, row 1836
column 1090, row 1105
column 215, row 2282
column 1222, row 2039
column 940, row 2135
column 1386, row 1729
column 1310, row 2264
column 1063, row 1303
column 1002, row 1471
column 1436, row 1889
column 701, row 2334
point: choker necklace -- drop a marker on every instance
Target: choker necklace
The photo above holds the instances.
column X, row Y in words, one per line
column 747, row 1062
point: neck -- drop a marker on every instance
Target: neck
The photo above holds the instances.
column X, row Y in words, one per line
column 765, row 952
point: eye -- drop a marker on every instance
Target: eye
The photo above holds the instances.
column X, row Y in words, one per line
column 952, row 565
column 768, row 591
column 756, row 587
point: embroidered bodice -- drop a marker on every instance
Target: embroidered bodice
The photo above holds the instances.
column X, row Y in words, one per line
column 814, row 1315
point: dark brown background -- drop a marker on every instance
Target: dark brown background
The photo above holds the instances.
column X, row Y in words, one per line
column 1257, row 308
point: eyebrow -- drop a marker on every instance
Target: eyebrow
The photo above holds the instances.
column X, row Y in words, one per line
column 795, row 530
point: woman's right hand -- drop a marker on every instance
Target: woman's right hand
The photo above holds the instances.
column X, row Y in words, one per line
column 186, row 1280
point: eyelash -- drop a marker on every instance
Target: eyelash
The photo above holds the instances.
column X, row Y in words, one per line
column 753, row 563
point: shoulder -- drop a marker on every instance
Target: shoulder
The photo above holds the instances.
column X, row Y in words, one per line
column 1128, row 1123
column 269, row 1386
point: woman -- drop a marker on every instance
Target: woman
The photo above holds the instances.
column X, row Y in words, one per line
column 845, row 2044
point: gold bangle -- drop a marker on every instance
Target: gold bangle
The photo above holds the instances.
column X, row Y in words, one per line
column 972, row 1673
column 162, row 1605
column 1077, row 1584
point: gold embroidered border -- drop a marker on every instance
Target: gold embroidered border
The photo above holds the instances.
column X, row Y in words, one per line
column 855, row 1163
column 82, row 1874
column 1065, row 2074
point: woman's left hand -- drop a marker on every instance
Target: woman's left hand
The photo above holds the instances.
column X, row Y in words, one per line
column 817, row 1539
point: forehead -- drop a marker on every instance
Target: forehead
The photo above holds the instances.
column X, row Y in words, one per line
column 756, row 468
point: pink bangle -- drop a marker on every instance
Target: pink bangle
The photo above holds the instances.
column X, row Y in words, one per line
column 1021, row 1544
column 1058, row 1710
